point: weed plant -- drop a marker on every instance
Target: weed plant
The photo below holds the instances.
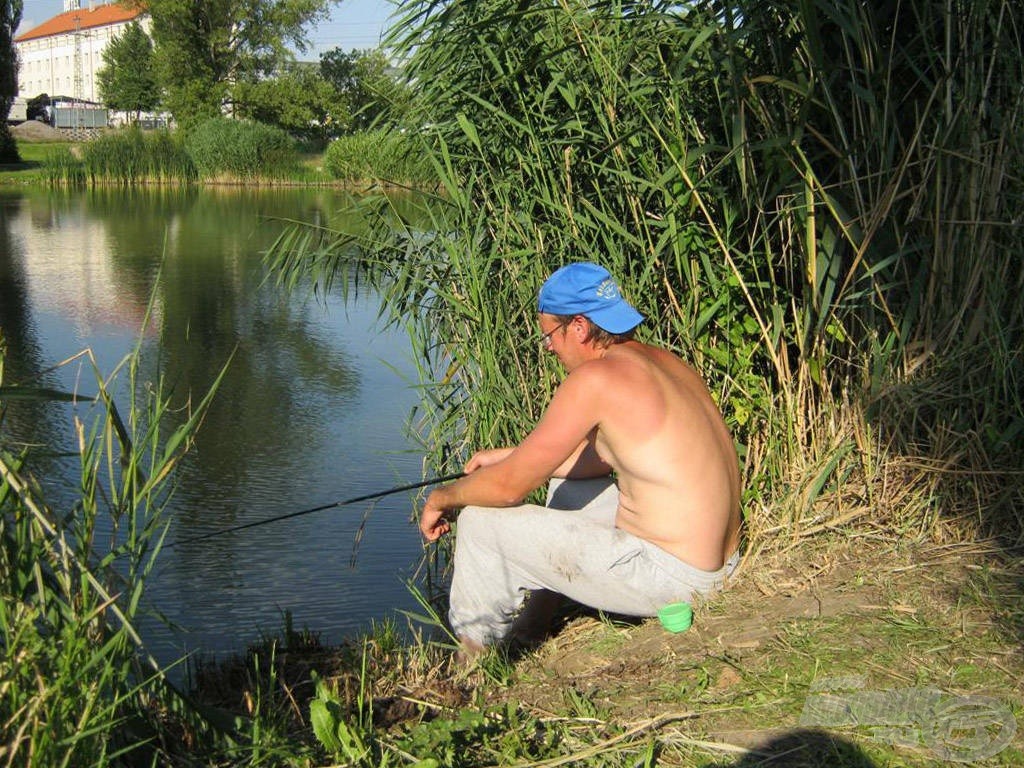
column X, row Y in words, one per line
column 241, row 150
column 814, row 202
column 76, row 684
column 382, row 155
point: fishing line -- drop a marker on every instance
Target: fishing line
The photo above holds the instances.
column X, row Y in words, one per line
column 321, row 508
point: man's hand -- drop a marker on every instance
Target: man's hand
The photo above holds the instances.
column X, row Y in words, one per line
column 486, row 458
column 433, row 520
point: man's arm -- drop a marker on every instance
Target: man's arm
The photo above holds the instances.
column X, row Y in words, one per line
column 582, row 464
column 559, row 441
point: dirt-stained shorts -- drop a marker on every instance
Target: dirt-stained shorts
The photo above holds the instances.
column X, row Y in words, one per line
column 571, row 547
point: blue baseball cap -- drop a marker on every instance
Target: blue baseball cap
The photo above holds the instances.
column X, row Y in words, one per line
column 589, row 290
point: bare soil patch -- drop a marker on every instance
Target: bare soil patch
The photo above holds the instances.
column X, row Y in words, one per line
column 890, row 618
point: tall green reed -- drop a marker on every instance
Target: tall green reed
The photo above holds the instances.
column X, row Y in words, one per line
column 77, row 686
column 241, row 150
column 381, row 154
column 815, row 202
column 63, row 169
column 133, row 156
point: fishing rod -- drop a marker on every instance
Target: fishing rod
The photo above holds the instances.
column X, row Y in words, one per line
column 321, row 508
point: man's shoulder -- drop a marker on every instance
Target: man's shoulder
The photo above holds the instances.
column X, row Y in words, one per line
column 602, row 374
column 633, row 366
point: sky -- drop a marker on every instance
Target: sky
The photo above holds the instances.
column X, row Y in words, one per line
column 353, row 23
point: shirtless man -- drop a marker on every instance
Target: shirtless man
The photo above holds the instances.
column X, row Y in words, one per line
column 666, row 529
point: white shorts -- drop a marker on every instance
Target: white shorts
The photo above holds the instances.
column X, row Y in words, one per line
column 571, row 547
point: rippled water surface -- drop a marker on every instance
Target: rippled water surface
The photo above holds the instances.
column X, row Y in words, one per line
column 312, row 409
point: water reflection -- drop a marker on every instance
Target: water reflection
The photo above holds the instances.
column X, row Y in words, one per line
column 312, row 408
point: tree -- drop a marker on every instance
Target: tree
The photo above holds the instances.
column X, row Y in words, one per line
column 10, row 18
column 126, row 81
column 298, row 100
column 204, row 48
column 369, row 84
column 38, row 107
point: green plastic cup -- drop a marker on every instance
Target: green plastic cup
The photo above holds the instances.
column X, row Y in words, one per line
column 676, row 617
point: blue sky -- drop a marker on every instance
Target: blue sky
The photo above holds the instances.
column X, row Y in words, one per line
column 353, row 23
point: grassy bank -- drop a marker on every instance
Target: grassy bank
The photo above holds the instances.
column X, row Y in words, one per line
column 224, row 152
column 34, row 155
column 836, row 655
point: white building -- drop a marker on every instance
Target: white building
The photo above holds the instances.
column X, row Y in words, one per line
column 61, row 56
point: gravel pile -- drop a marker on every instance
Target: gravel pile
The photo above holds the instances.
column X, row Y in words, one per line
column 34, row 130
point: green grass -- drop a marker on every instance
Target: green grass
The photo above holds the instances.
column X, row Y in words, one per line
column 34, row 155
column 77, row 685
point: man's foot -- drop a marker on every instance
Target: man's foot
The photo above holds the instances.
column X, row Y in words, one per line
column 469, row 652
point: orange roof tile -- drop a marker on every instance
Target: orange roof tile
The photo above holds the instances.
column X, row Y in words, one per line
column 85, row 18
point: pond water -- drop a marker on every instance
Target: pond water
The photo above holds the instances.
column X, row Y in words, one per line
column 313, row 408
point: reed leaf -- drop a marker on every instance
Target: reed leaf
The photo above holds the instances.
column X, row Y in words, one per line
column 800, row 196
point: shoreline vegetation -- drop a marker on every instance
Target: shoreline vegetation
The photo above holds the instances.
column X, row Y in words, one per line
column 818, row 204
column 219, row 152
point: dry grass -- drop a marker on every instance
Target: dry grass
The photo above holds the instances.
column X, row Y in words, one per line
column 904, row 617
column 900, row 614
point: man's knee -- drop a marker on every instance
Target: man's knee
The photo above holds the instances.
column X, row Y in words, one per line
column 471, row 523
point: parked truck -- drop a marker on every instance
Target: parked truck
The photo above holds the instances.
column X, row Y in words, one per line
column 19, row 111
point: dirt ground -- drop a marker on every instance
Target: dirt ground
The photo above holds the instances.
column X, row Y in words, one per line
column 902, row 624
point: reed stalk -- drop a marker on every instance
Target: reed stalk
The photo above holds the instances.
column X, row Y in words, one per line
column 814, row 202
column 77, row 686
column 132, row 156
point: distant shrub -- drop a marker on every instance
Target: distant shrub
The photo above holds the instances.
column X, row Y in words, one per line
column 241, row 148
column 61, row 168
column 381, row 154
column 131, row 156
column 8, row 147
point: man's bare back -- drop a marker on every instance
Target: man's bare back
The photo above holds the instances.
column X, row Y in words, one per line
column 673, row 456
column 645, row 415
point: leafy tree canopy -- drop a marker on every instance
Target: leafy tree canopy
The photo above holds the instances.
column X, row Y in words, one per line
column 126, row 81
column 204, row 48
column 298, row 100
column 373, row 89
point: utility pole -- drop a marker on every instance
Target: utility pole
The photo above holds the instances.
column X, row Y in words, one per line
column 79, row 97
column 78, row 59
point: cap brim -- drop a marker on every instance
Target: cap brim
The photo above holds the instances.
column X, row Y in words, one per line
column 620, row 318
